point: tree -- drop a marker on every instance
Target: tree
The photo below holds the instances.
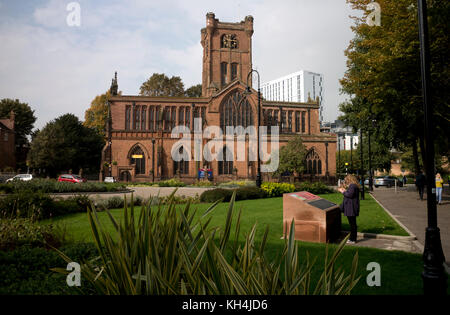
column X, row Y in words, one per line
column 64, row 144
column 292, row 157
column 96, row 116
column 194, row 91
column 383, row 76
column 160, row 85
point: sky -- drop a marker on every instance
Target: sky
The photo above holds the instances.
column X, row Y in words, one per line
column 57, row 68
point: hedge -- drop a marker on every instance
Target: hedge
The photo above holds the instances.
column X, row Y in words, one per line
column 314, row 188
column 53, row 186
column 26, row 270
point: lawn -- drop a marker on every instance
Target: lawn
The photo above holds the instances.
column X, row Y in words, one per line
column 397, row 268
column 372, row 218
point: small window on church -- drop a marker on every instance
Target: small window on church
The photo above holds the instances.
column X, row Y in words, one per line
column 223, row 72
column 5, row 136
column 234, row 68
column 127, row 117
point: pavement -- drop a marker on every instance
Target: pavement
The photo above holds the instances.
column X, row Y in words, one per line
column 405, row 206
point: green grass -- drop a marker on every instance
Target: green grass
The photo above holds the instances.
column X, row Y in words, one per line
column 372, row 218
column 400, row 271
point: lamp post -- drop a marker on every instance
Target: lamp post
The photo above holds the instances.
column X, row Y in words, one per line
column 433, row 275
column 351, row 154
column 153, row 160
column 339, row 156
column 258, row 174
column 362, row 163
column 370, row 158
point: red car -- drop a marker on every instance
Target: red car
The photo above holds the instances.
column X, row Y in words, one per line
column 70, row 178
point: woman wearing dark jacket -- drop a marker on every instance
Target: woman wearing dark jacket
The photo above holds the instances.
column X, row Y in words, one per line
column 350, row 205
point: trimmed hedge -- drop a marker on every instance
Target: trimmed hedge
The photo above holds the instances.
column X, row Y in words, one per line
column 314, row 188
column 53, row 186
column 242, row 193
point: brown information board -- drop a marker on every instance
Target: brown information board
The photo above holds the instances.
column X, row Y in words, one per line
column 315, row 219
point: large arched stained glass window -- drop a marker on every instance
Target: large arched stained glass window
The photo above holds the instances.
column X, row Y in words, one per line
column 235, row 111
column 313, row 163
column 137, row 157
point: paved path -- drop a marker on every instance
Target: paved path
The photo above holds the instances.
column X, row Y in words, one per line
column 406, row 207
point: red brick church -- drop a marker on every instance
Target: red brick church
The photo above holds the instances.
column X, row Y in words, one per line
column 140, row 145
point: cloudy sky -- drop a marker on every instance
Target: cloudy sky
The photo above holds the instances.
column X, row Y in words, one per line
column 57, row 68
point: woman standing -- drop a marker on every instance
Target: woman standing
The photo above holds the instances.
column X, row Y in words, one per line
column 439, row 184
column 350, row 205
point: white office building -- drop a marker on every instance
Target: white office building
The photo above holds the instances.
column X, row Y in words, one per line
column 347, row 138
column 295, row 87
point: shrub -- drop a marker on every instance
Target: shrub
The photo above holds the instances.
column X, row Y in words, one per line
column 176, row 200
column 22, row 231
column 245, row 193
column 26, row 270
column 277, row 189
column 238, row 183
column 26, row 204
column 203, row 183
column 115, row 202
column 173, row 182
column 39, row 206
column 216, row 194
column 314, row 188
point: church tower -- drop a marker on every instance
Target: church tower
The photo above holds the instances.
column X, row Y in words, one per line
column 227, row 53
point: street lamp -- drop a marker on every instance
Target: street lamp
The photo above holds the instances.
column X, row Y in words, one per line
column 258, row 174
column 153, row 160
column 339, row 156
column 433, row 275
column 362, row 163
column 351, row 154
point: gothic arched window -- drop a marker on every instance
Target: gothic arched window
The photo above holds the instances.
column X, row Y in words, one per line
column 313, row 163
column 137, row 157
column 225, row 162
column 235, row 111
column 183, row 165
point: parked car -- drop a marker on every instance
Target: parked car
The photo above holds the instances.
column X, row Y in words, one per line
column 24, row 177
column 110, row 180
column 387, row 181
column 70, row 178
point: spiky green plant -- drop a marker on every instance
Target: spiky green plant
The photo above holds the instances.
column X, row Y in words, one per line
column 165, row 252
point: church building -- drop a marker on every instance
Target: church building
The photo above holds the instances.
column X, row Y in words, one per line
column 140, row 145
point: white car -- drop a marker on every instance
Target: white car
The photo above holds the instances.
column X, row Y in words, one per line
column 110, row 180
column 24, row 177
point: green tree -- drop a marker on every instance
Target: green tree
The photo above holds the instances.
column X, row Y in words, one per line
column 194, row 91
column 96, row 116
column 23, row 123
column 161, row 85
column 383, row 76
column 64, row 144
column 292, row 157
